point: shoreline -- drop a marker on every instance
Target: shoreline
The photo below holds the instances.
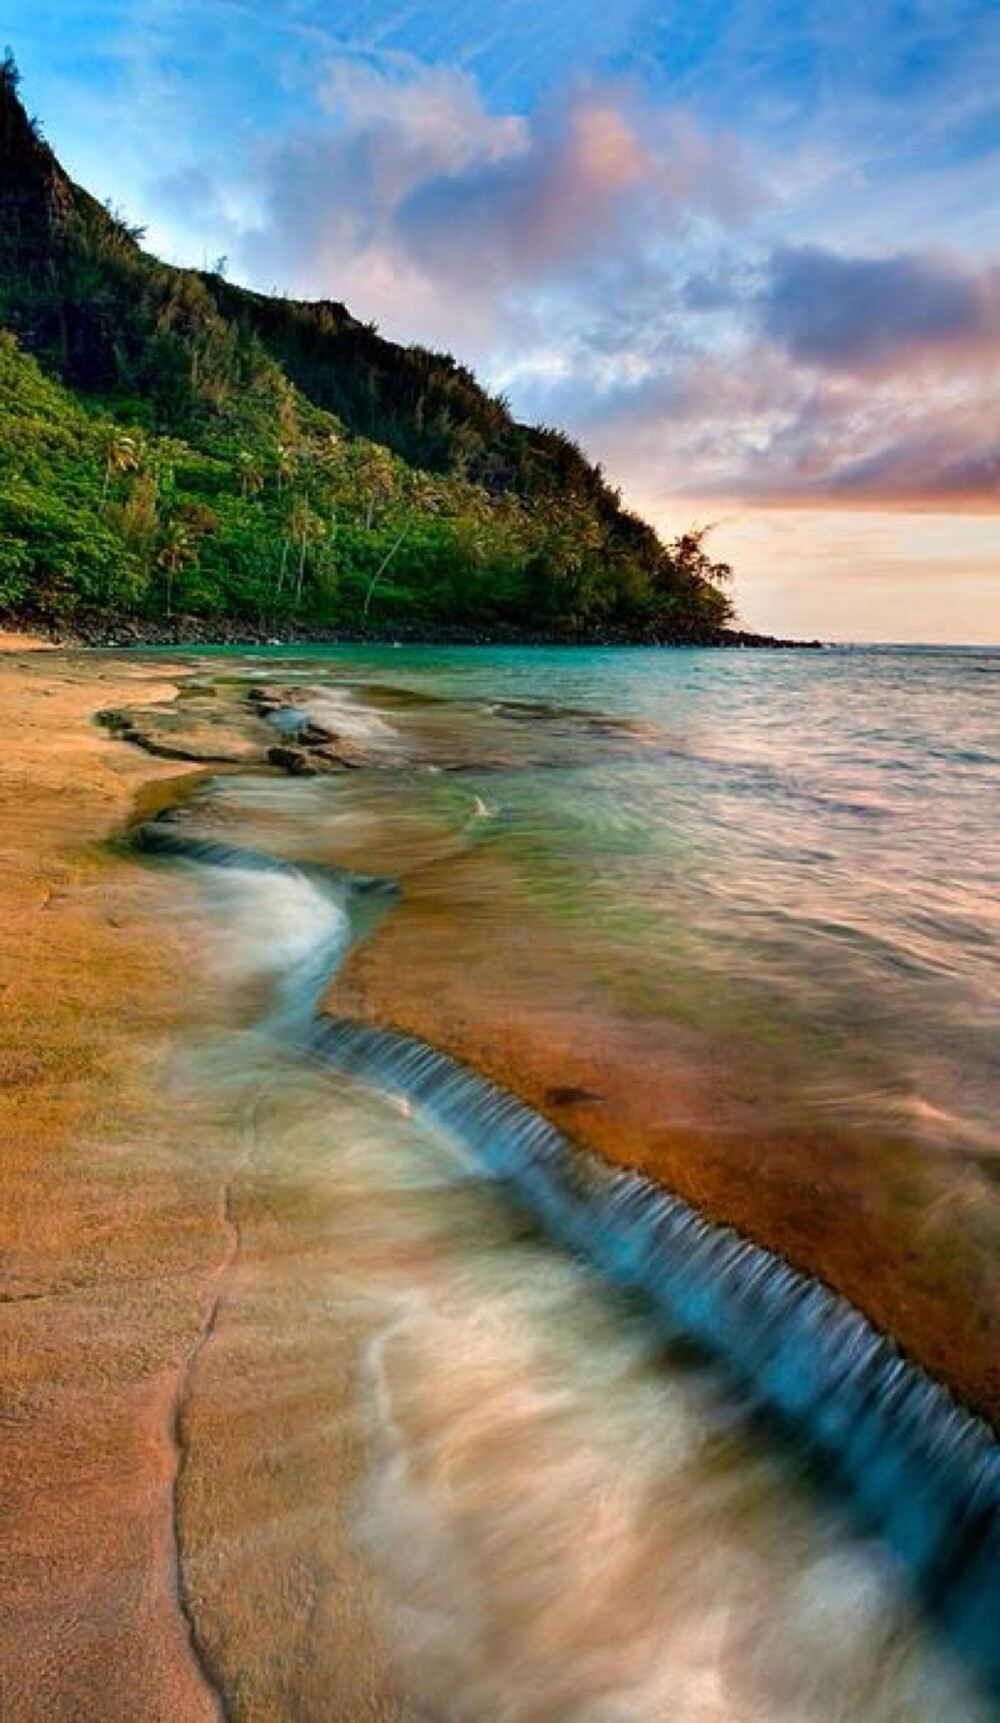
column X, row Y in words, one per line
column 193, row 632
column 162, row 1300
column 638, row 1094
column 128, row 1272
column 810, row 1359
column 884, row 1229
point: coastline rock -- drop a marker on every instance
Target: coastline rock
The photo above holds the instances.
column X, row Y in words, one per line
column 137, row 633
column 293, row 760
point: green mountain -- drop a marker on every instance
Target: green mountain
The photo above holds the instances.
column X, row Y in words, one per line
column 175, row 446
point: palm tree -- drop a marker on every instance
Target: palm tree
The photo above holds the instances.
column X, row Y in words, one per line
column 425, row 493
column 304, row 527
column 381, row 569
column 249, row 469
column 375, row 474
column 176, row 551
column 284, row 463
column 329, row 452
column 121, row 456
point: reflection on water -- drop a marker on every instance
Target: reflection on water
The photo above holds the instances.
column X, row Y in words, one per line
column 564, row 1519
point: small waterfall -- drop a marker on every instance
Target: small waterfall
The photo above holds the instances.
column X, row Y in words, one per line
column 923, row 1470
column 288, row 924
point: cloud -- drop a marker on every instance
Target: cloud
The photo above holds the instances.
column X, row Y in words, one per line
column 938, row 465
column 869, row 314
column 598, row 181
column 749, row 424
column 331, row 191
column 191, row 188
column 413, row 197
column 602, row 256
column 567, row 248
column 661, row 225
column 592, row 255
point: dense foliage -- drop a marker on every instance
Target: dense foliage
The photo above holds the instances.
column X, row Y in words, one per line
column 172, row 443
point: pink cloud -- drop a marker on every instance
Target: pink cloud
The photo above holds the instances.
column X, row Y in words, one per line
column 566, row 249
column 756, row 427
column 415, row 178
column 600, row 178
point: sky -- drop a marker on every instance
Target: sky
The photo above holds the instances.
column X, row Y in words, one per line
column 745, row 251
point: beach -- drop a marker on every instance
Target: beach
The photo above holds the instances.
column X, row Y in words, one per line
column 98, row 1320
column 197, row 1280
column 118, row 1264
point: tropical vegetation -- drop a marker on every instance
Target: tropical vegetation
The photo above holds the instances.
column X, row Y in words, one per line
column 174, row 445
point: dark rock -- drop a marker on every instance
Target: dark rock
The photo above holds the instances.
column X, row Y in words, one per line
column 314, row 736
column 294, row 760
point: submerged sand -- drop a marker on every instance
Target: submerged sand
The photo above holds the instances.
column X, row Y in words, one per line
column 178, row 1440
column 464, row 964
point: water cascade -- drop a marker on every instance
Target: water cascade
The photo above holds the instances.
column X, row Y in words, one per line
column 921, row 1470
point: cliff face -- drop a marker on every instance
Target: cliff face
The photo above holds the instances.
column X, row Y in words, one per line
column 36, row 198
column 57, row 250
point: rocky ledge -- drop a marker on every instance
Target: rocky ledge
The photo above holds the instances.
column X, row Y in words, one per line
column 222, row 631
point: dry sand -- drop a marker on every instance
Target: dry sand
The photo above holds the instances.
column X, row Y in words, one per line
column 14, row 642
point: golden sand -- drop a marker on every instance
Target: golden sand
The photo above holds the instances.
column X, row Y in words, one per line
column 179, row 1444
column 170, row 1533
column 107, row 1239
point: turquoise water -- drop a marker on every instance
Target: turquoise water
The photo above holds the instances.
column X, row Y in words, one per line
column 797, row 853
column 786, row 862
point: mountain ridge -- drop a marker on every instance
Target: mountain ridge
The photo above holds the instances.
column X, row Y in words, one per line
column 237, row 457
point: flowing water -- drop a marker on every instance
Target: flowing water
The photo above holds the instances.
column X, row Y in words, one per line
column 796, row 847
column 572, row 1502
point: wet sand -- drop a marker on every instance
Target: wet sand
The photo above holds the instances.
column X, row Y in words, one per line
column 177, row 1406
column 108, row 1235
column 469, row 962
column 156, row 1562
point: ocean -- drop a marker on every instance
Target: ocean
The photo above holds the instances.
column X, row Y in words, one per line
column 727, row 920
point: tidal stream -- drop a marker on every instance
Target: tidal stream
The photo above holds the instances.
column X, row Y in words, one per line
column 618, row 1464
